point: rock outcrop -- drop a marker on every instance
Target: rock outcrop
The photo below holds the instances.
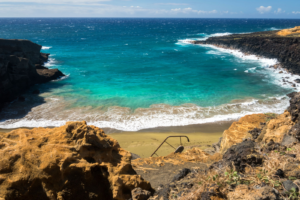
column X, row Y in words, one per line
column 267, row 44
column 75, row 161
column 21, row 66
column 264, row 165
column 289, row 31
column 238, row 131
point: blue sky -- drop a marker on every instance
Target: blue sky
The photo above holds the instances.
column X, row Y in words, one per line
column 153, row 8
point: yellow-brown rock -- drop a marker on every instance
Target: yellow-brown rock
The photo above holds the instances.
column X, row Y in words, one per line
column 277, row 128
column 240, row 130
column 74, row 161
column 289, row 31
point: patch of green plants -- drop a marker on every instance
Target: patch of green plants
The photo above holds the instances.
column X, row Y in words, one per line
column 270, row 116
column 262, row 176
column 293, row 194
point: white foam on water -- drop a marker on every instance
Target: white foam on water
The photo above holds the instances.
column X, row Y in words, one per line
column 53, row 113
column 204, row 37
column 45, row 48
column 51, row 62
column 277, row 76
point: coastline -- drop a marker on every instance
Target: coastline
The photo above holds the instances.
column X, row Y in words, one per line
column 277, row 68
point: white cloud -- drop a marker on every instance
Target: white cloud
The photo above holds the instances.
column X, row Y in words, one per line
column 172, row 4
column 296, row 12
column 278, row 11
column 92, row 8
column 190, row 10
column 53, row 2
column 263, row 9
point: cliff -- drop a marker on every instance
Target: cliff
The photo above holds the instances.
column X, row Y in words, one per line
column 268, row 44
column 258, row 159
column 21, row 66
column 75, row 161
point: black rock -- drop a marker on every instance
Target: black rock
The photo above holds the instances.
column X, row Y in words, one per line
column 36, row 91
column 21, row 98
column 242, row 155
column 279, row 173
column 291, row 155
column 18, row 71
column 297, row 80
column 255, row 132
column 181, row 174
column 289, row 185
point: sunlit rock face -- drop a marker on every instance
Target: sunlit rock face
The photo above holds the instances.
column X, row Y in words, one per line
column 75, row 161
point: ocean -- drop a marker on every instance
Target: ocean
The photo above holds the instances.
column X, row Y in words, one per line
column 130, row 74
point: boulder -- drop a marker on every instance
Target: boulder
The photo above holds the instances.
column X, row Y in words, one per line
column 75, row 161
column 289, row 185
column 239, row 156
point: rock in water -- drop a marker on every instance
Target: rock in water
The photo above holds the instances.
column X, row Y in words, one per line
column 71, row 162
column 21, row 66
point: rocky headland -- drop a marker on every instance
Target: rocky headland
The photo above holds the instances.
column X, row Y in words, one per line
column 22, row 66
column 282, row 45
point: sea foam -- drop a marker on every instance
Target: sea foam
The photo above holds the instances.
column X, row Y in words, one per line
column 45, row 48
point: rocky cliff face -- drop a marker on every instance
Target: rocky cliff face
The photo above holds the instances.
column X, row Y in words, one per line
column 262, row 163
column 268, row 44
column 75, row 161
column 21, row 66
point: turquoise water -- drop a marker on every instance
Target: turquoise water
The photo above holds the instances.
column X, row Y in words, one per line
column 121, row 71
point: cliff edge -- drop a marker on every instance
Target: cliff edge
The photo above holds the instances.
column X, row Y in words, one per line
column 21, row 66
column 282, row 45
column 75, row 161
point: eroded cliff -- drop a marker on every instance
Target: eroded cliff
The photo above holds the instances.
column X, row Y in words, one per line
column 21, row 66
column 75, row 161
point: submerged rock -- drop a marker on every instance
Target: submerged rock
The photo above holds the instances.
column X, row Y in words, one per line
column 75, row 161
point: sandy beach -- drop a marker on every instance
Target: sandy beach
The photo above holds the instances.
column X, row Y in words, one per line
column 144, row 142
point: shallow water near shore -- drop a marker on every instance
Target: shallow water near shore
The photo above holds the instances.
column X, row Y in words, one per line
column 133, row 74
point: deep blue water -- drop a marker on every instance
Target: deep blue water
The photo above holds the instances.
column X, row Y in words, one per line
column 139, row 63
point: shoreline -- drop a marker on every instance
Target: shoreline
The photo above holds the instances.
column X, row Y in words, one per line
column 278, row 67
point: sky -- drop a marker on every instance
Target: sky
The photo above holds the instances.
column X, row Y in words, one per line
column 153, row 8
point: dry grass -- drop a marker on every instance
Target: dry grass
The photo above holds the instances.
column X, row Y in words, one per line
column 223, row 181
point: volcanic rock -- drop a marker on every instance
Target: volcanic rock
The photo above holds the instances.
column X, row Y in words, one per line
column 267, row 44
column 239, row 156
column 240, row 130
column 21, row 66
column 75, row 161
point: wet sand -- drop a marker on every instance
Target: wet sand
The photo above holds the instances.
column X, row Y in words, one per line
column 144, row 142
